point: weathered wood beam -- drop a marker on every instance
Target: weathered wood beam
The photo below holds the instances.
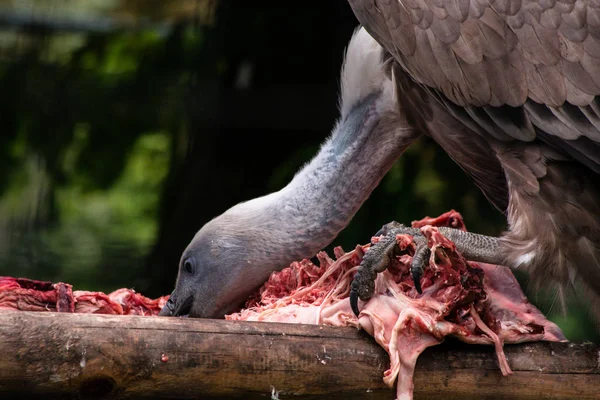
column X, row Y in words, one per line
column 54, row 355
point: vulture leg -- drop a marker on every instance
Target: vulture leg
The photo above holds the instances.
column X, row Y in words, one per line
column 473, row 246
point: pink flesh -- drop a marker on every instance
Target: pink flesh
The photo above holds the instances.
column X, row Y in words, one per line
column 487, row 308
column 31, row 295
column 135, row 304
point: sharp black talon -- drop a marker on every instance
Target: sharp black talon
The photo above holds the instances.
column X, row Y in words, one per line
column 420, row 259
column 416, row 275
column 354, row 302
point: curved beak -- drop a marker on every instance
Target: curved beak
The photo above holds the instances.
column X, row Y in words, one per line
column 175, row 308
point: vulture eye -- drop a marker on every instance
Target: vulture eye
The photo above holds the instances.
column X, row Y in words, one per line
column 188, row 266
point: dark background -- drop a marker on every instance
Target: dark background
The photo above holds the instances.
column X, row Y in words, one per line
column 128, row 125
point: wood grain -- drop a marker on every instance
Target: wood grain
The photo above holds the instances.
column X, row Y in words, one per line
column 60, row 355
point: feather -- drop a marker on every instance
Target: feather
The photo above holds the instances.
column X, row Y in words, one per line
column 538, row 44
column 454, row 86
column 421, row 66
column 497, row 74
column 574, row 72
column 577, row 96
column 409, row 3
column 516, row 21
column 461, row 115
column 532, row 13
column 542, row 118
column 476, row 9
column 416, row 15
column 495, row 36
column 573, row 118
column 550, row 18
column 595, row 106
column 592, row 116
column 564, row 7
column 468, row 45
column 457, row 9
column 584, row 151
column 516, row 79
column 592, row 68
column 546, row 4
column 413, row 98
column 446, row 30
column 482, row 119
column 514, row 7
column 593, row 21
column 476, row 79
column 546, row 84
column 591, row 46
column 573, row 33
column 520, row 175
column 569, row 50
column 399, row 24
column 577, row 17
column 533, row 158
column 426, row 20
column 422, row 4
column 437, row 9
column 581, row 149
column 501, row 6
column 513, row 121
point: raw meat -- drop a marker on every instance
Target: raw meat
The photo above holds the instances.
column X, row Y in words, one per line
column 96, row 303
column 477, row 303
column 135, row 304
column 31, row 295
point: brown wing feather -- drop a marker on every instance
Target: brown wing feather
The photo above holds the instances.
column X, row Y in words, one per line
column 501, row 53
column 483, row 35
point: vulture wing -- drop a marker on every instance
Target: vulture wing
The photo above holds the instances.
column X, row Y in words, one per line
column 512, row 69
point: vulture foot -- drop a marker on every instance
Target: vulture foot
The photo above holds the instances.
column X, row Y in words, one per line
column 380, row 255
column 473, row 246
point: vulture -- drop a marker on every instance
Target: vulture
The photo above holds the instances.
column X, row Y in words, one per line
column 508, row 88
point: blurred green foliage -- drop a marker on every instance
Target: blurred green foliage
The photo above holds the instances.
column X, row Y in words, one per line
column 86, row 150
column 95, row 130
column 100, row 236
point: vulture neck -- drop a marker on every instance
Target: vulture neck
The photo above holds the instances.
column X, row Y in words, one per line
column 320, row 201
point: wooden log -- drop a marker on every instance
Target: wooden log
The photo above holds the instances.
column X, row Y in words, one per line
column 60, row 355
